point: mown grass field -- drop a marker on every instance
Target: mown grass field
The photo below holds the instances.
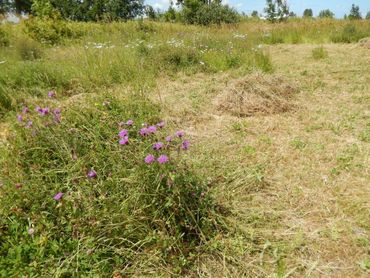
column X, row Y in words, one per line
column 276, row 179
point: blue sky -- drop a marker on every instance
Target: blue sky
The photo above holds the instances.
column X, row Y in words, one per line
column 339, row 7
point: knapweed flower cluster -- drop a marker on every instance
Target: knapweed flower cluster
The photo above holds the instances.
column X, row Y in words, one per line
column 26, row 116
column 160, row 144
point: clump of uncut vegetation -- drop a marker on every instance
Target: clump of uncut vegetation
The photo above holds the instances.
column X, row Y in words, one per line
column 319, row 53
column 93, row 186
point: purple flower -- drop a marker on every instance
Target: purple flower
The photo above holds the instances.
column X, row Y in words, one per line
column 152, row 129
column 29, row 124
column 144, row 131
column 180, row 133
column 185, row 145
column 92, row 174
column 158, row 146
column 58, row 196
column 163, row 159
column 130, row 122
column 31, row 231
column 124, row 141
column 123, row 133
column 149, row 159
column 169, row 139
column 45, row 111
column 39, row 109
column 20, row 118
column 25, row 110
column 18, row 185
column 161, row 124
column 51, row 94
column 57, row 111
column 42, row 111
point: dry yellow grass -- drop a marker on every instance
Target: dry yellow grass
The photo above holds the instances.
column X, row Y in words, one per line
column 257, row 94
column 297, row 183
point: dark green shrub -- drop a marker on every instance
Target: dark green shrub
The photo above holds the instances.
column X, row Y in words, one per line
column 4, row 37
column 196, row 12
column 215, row 14
column 49, row 31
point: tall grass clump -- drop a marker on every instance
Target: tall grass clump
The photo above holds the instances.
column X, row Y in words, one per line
column 349, row 34
column 98, row 186
column 4, row 37
column 28, row 49
column 319, row 53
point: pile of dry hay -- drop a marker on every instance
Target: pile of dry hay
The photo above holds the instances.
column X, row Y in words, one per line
column 257, row 94
column 365, row 42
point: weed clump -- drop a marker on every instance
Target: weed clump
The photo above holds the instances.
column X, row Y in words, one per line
column 99, row 179
column 4, row 38
column 319, row 53
column 257, row 94
column 29, row 49
column 349, row 34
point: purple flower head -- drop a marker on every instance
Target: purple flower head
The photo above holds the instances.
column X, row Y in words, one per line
column 25, row 110
column 29, row 124
column 31, row 231
column 161, row 124
column 57, row 111
column 20, row 118
column 130, row 122
column 144, row 131
column 185, row 145
column 92, row 174
column 124, row 141
column 52, row 94
column 152, row 129
column 169, row 139
column 42, row 111
column 163, row 159
column 123, row 133
column 149, row 159
column 18, row 185
column 45, row 111
column 180, row 133
column 58, row 196
column 158, row 146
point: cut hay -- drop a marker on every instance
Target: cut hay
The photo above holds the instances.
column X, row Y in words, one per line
column 365, row 43
column 257, row 94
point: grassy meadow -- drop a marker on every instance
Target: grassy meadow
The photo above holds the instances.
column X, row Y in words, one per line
column 163, row 149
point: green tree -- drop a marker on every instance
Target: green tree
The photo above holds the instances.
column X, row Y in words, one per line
column 124, row 9
column 150, row 12
column 368, row 15
column 308, row 13
column 22, row 6
column 277, row 10
column 355, row 13
column 254, row 14
column 326, row 14
column 4, row 6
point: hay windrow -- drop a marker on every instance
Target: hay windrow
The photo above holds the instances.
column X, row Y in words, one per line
column 365, row 43
column 257, row 94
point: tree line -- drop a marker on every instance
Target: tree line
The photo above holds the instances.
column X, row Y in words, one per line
column 189, row 11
